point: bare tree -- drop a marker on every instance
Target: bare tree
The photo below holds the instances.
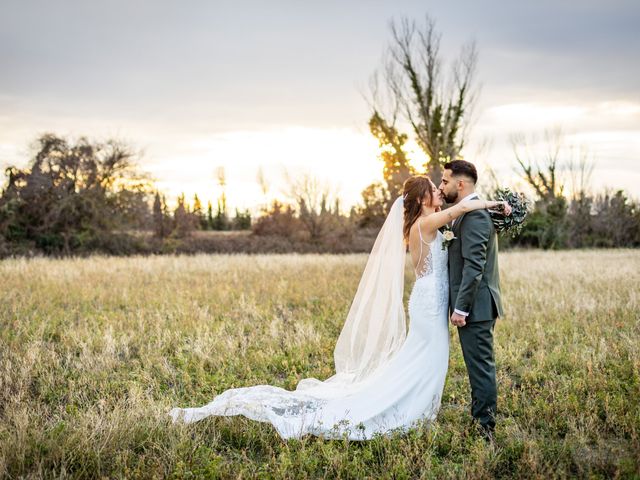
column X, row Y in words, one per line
column 262, row 181
column 221, row 177
column 582, row 221
column 313, row 201
column 546, row 165
column 552, row 164
column 437, row 109
column 264, row 187
column 542, row 176
column 580, row 170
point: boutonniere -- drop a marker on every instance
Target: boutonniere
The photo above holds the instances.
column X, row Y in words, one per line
column 448, row 237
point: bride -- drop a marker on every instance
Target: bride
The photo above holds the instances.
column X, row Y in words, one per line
column 386, row 379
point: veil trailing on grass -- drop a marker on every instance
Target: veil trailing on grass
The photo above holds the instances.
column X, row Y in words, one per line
column 373, row 332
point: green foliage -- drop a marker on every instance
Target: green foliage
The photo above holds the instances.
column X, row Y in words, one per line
column 581, row 221
column 161, row 220
column 221, row 220
column 520, row 206
column 374, row 207
column 396, row 167
column 200, row 218
column 242, row 220
column 606, row 220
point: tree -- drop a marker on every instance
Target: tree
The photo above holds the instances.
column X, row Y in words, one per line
column 311, row 198
column 242, row 220
column 437, row 111
column 580, row 218
column 542, row 176
column 222, row 182
column 221, row 220
column 210, row 220
column 182, row 219
column 617, row 220
column 396, row 167
column 74, row 194
column 373, row 210
column 200, row 220
column 264, row 186
column 279, row 220
column 540, row 168
column 160, row 226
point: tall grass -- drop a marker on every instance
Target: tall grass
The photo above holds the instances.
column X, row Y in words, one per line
column 94, row 352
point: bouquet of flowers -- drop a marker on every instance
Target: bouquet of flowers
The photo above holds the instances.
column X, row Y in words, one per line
column 511, row 224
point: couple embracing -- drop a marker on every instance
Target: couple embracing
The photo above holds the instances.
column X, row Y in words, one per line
column 388, row 378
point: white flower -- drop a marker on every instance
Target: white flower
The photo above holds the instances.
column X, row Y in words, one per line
column 448, row 235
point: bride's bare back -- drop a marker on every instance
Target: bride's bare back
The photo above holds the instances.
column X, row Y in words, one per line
column 420, row 240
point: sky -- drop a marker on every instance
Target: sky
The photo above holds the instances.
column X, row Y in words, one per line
column 280, row 85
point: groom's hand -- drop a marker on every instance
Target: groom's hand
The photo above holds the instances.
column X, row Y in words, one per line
column 458, row 320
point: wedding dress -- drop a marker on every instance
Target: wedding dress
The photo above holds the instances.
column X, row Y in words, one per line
column 386, row 379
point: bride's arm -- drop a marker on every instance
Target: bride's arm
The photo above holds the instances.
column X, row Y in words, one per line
column 438, row 219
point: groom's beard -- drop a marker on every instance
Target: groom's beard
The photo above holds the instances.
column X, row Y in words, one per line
column 450, row 197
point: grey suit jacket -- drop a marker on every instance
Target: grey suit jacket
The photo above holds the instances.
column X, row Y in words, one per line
column 474, row 279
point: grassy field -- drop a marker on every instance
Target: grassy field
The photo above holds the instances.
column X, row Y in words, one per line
column 94, row 352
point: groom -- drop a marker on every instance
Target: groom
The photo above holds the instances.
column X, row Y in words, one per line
column 474, row 290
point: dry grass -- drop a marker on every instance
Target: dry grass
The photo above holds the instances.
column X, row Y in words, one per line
column 93, row 353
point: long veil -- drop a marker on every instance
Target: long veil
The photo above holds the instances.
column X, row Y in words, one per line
column 374, row 330
column 375, row 327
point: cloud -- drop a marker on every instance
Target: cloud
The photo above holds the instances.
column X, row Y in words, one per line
column 171, row 77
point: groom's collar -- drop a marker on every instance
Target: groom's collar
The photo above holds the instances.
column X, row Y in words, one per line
column 469, row 197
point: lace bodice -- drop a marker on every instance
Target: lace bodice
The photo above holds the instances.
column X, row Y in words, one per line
column 432, row 258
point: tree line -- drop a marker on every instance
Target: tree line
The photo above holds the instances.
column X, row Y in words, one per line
column 85, row 196
column 576, row 219
column 187, row 218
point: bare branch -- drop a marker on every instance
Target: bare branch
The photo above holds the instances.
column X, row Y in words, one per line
column 438, row 116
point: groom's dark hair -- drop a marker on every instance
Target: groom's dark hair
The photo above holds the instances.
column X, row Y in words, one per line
column 464, row 168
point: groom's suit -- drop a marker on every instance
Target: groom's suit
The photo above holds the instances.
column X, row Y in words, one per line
column 474, row 288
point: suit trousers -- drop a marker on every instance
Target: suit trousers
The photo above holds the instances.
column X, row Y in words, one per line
column 476, row 339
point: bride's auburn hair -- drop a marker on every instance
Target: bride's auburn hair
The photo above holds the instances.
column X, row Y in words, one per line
column 414, row 189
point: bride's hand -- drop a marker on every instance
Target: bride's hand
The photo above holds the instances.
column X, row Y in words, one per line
column 502, row 207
